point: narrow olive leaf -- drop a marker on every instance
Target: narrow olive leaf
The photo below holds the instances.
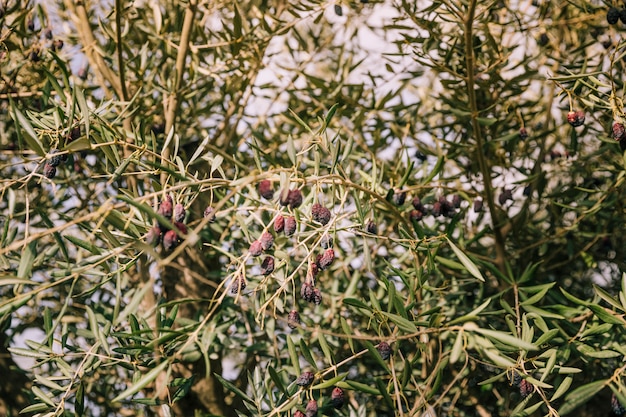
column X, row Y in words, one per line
column 486, row 121
column 438, row 167
column 293, row 355
column 469, row 265
column 574, row 299
column 538, row 383
column 376, row 355
column 581, row 395
column 79, row 400
column 529, row 410
column 306, row 352
column 16, row 281
column 603, row 354
column 330, row 382
column 199, row 150
column 43, row 396
column 608, row 298
column 277, row 381
column 357, row 386
column 328, row 354
column 574, row 77
column 374, row 300
column 233, row 388
column 28, row 353
column 603, row 328
column 542, row 313
column 83, row 244
column 347, row 150
column 549, row 365
column 568, row 370
column 544, row 338
column 408, row 172
column 142, row 382
column 26, row 261
column 346, row 329
column 563, row 388
column 383, row 390
column 31, row 136
column 49, row 383
column 35, row 408
column 356, row 303
column 449, row 263
column 216, row 163
column 472, row 315
column 505, row 338
column 457, row 349
column 84, row 108
column 330, row 114
column 401, row 322
column 619, row 394
column 538, row 296
column 605, row 315
column 492, row 379
column 183, row 389
column 499, row 360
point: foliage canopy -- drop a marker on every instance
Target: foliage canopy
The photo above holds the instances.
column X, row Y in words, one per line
column 167, row 166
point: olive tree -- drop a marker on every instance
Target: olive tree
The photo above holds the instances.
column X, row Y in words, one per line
column 271, row 208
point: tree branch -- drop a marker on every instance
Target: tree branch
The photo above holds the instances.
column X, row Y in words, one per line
column 90, row 45
column 120, row 57
column 485, row 169
column 173, row 100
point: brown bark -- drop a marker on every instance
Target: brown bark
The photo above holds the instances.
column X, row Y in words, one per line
column 15, row 382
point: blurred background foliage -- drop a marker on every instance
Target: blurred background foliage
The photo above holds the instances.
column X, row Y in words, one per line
column 471, row 261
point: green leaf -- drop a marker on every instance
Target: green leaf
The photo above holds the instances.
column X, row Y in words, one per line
column 546, row 337
column 26, row 260
column 356, row 303
column 28, row 353
column 142, row 382
column 376, row 355
column 233, row 388
column 580, row 396
column 32, row 140
column 604, row 315
column 467, row 263
column 506, row 338
column 438, row 167
column 330, row 114
column 277, row 381
column 457, row 349
column 35, row 408
column 47, row 398
column 79, row 400
column 498, row 359
column 357, row 386
column 293, row 355
column 328, row 353
column 528, row 411
column 346, row 329
column 574, row 299
column 383, row 390
column 306, row 352
column 608, row 298
column 563, row 388
column 401, row 322
column 329, row 382
column 471, row 315
column 538, row 296
column 83, row 244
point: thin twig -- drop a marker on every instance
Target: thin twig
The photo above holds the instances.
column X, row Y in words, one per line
column 485, row 169
column 173, row 100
